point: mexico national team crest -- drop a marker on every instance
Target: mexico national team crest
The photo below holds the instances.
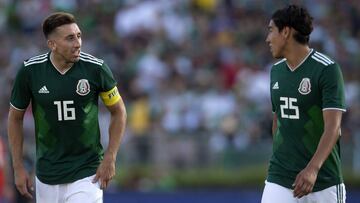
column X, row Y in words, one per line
column 305, row 86
column 83, row 87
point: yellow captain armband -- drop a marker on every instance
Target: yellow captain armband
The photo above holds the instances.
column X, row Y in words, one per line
column 110, row 97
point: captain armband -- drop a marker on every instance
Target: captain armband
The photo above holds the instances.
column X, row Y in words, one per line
column 110, row 97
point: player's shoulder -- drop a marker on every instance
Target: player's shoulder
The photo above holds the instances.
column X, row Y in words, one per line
column 322, row 59
column 277, row 65
column 88, row 58
column 35, row 60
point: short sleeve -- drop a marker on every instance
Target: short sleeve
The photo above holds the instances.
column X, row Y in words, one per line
column 332, row 88
column 21, row 93
column 271, row 97
column 107, row 81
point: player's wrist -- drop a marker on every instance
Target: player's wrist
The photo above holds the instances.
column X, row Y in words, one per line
column 18, row 168
column 110, row 155
column 314, row 167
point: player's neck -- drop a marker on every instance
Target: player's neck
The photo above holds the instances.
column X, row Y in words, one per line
column 60, row 65
column 296, row 55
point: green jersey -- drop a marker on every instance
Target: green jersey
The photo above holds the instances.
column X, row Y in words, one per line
column 65, row 110
column 299, row 98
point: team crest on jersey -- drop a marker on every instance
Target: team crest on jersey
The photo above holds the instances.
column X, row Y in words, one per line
column 83, row 87
column 305, row 86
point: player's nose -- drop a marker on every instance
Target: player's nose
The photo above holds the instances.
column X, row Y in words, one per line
column 77, row 42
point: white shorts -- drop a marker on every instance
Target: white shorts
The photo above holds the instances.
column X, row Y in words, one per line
column 274, row 193
column 82, row 190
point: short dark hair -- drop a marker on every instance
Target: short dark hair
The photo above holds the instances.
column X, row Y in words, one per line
column 295, row 17
column 56, row 20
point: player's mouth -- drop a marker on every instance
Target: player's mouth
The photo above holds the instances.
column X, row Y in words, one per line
column 271, row 48
column 76, row 54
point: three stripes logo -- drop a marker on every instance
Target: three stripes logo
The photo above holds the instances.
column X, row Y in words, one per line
column 36, row 59
column 275, row 86
column 89, row 58
column 43, row 90
column 321, row 58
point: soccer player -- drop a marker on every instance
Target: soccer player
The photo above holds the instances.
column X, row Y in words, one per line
column 307, row 95
column 63, row 87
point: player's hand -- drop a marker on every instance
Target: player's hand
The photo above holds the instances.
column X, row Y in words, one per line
column 305, row 181
column 105, row 171
column 23, row 183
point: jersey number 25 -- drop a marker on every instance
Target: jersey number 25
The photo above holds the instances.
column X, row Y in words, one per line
column 289, row 104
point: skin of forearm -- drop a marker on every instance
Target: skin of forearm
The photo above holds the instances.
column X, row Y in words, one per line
column 116, row 131
column 16, row 139
column 274, row 125
column 326, row 144
column 328, row 139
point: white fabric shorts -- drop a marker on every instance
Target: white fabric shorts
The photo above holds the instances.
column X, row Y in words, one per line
column 274, row 193
column 80, row 191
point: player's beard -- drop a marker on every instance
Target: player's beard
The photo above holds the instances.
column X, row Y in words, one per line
column 76, row 53
column 73, row 58
column 279, row 53
column 76, row 59
column 278, row 56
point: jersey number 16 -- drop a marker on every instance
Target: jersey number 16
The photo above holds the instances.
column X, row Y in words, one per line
column 65, row 112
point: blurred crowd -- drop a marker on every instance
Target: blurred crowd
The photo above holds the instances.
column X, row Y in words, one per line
column 194, row 74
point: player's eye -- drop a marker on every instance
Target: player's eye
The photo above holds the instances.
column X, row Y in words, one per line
column 70, row 38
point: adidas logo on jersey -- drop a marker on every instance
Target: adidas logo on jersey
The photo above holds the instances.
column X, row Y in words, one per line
column 275, row 86
column 43, row 90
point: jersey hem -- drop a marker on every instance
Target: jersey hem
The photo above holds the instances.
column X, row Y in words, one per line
column 285, row 182
column 69, row 180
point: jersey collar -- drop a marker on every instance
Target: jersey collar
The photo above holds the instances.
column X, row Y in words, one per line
column 61, row 72
column 307, row 56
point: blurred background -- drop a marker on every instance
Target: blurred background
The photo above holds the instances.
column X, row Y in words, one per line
column 194, row 75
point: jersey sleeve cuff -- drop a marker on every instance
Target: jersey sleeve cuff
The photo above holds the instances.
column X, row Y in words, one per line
column 19, row 109
column 332, row 108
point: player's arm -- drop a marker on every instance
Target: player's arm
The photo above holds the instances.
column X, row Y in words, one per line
column 16, row 139
column 116, row 128
column 274, row 124
column 115, row 105
column 305, row 180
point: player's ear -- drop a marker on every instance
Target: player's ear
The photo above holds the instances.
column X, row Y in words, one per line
column 286, row 32
column 51, row 44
